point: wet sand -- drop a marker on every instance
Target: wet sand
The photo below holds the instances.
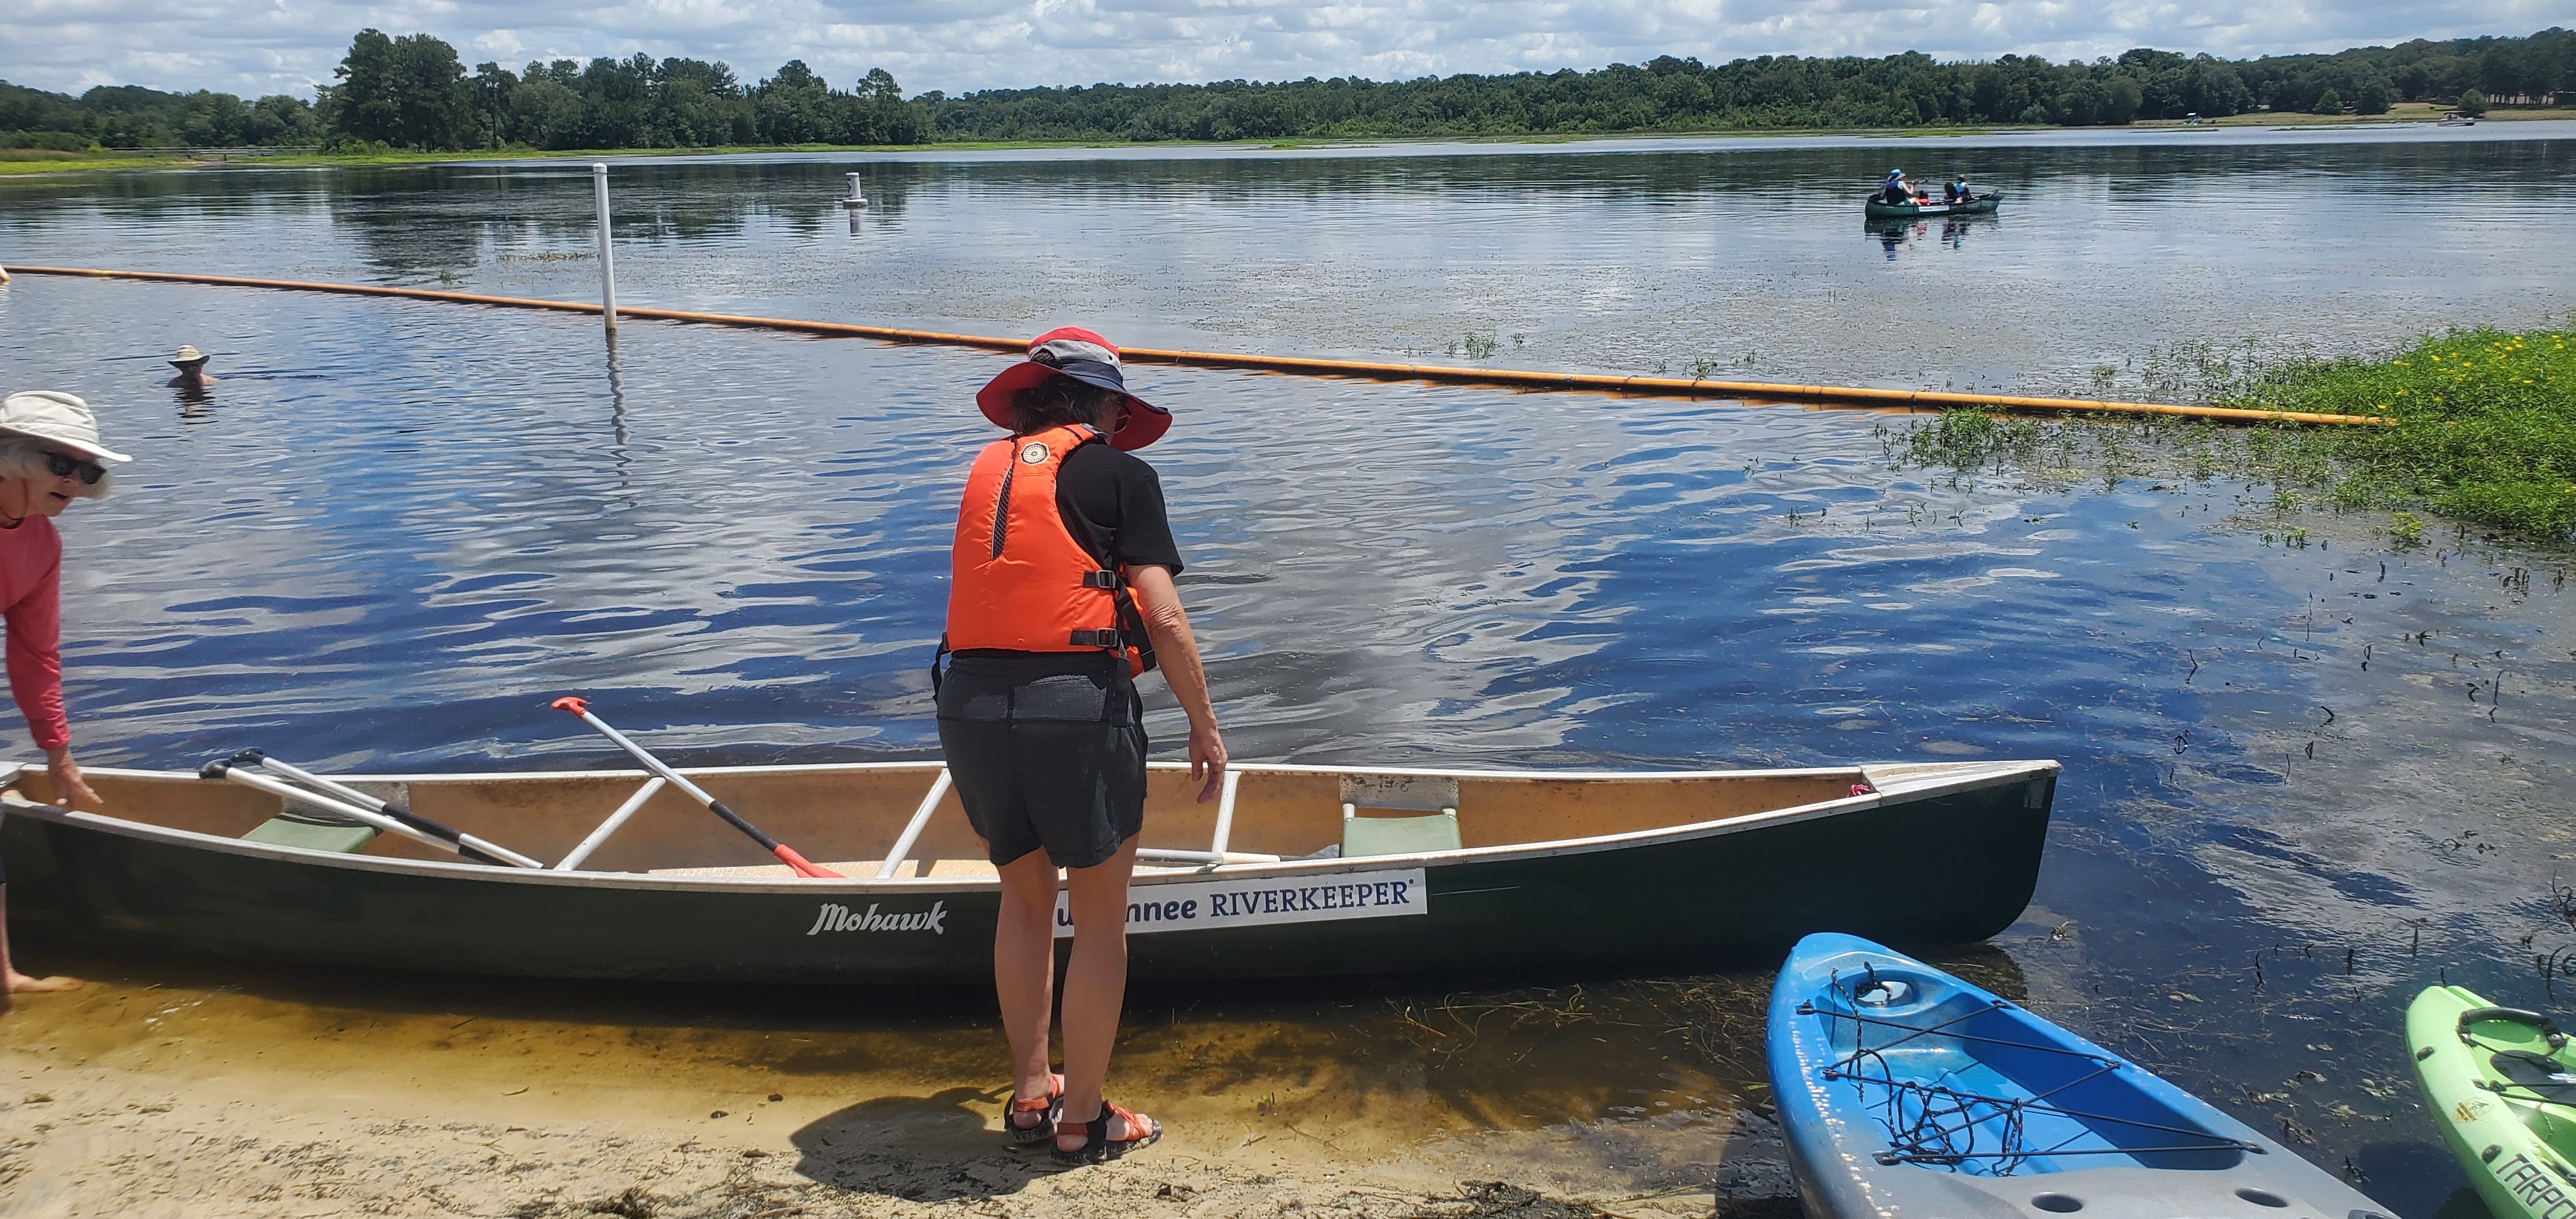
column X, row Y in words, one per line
column 284, row 1093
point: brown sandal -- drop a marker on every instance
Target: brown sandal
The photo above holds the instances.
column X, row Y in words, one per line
column 1096, row 1143
column 1051, row 1107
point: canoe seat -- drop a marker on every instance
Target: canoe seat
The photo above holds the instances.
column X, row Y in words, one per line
column 312, row 832
column 1398, row 835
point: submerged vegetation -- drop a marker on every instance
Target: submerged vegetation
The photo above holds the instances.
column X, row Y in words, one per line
column 2481, row 427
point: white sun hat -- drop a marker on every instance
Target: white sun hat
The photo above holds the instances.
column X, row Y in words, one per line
column 56, row 418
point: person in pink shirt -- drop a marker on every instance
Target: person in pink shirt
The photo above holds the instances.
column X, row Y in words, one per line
column 50, row 455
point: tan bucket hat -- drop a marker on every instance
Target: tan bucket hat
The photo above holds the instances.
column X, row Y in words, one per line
column 55, row 418
column 187, row 354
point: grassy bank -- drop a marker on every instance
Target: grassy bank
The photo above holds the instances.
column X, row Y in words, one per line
column 2482, row 428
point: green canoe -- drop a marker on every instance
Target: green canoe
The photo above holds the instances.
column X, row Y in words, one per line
column 1296, row 870
column 2502, row 1086
column 1978, row 206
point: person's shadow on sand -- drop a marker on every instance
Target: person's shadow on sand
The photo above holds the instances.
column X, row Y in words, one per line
column 921, row 1149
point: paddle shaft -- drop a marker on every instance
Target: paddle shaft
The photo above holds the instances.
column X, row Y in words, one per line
column 786, row 854
column 338, row 808
column 467, row 845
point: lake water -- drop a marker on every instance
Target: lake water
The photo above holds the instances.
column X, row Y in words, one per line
column 2292, row 795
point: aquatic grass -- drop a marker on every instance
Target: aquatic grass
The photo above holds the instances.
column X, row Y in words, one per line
column 2481, row 427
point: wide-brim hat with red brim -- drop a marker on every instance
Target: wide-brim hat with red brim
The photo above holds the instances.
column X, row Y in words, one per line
column 1071, row 351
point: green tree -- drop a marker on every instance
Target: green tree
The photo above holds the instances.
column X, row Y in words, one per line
column 2472, row 103
column 363, row 105
column 406, row 91
column 791, row 106
column 545, row 110
column 2328, row 102
column 491, row 89
column 2124, row 100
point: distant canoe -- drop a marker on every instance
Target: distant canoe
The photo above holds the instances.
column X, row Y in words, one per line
column 1487, row 871
column 1978, row 206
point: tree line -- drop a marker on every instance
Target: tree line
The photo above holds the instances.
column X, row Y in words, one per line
column 412, row 92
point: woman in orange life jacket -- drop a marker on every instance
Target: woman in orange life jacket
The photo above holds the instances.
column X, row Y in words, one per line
column 1060, row 596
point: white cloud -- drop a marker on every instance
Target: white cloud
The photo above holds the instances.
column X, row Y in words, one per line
column 271, row 46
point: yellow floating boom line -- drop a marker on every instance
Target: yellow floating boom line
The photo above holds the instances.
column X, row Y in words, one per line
column 1660, row 387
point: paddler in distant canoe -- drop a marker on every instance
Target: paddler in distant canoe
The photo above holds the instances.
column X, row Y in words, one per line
column 50, row 455
column 1060, row 596
column 1897, row 190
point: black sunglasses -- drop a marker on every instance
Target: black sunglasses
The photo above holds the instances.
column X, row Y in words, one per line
column 64, row 464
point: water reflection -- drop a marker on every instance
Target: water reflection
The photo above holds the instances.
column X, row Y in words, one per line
column 194, row 399
column 1895, row 235
column 1359, row 252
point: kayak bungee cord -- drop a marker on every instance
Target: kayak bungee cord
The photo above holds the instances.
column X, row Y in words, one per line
column 1523, row 379
column 1935, row 1124
column 2559, row 1078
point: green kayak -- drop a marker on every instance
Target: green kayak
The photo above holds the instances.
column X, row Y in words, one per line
column 2502, row 1086
column 1978, row 206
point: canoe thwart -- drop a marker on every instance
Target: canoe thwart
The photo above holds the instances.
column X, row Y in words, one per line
column 912, row 829
column 633, row 804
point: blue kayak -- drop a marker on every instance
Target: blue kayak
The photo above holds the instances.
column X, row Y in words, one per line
column 1906, row 1093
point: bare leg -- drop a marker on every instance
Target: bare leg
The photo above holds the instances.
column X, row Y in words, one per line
column 1024, row 971
column 12, row 982
column 1095, row 986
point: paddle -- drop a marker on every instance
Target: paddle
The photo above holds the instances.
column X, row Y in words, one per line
column 410, row 825
column 459, row 841
column 580, row 707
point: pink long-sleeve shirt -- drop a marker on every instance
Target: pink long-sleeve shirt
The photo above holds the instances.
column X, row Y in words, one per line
column 31, row 604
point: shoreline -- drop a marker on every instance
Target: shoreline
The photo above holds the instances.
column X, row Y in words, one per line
column 16, row 163
column 288, row 1093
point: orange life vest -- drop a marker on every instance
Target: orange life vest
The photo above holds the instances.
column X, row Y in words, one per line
column 1017, row 579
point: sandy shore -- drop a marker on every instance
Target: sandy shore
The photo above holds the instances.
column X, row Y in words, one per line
column 132, row 1098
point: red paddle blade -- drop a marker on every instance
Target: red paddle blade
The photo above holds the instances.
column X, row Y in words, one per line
column 803, row 867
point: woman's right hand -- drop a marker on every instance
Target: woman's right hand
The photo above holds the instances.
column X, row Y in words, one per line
column 1207, row 759
column 70, row 789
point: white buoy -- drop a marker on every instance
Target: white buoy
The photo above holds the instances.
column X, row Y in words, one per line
column 858, row 198
column 607, row 269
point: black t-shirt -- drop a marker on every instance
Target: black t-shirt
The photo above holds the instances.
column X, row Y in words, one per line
column 1112, row 504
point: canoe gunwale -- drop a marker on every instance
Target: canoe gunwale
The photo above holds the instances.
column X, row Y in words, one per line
column 1920, row 782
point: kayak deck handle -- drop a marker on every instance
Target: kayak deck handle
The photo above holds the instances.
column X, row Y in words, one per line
column 2512, row 1015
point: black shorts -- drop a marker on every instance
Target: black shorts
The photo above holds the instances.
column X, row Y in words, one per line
column 1046, row 751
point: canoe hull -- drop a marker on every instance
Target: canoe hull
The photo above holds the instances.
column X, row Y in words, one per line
column 2523, row 1178
column 1982, row 205
column 2193, row 1160
column 1948, row 866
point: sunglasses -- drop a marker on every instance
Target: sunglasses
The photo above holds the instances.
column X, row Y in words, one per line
column 65, row 465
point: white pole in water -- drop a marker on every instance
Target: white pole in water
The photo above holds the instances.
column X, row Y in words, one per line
column 607, row 268
column 858, row 198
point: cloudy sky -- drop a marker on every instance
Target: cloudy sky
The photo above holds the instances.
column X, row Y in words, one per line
column 270, row 46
